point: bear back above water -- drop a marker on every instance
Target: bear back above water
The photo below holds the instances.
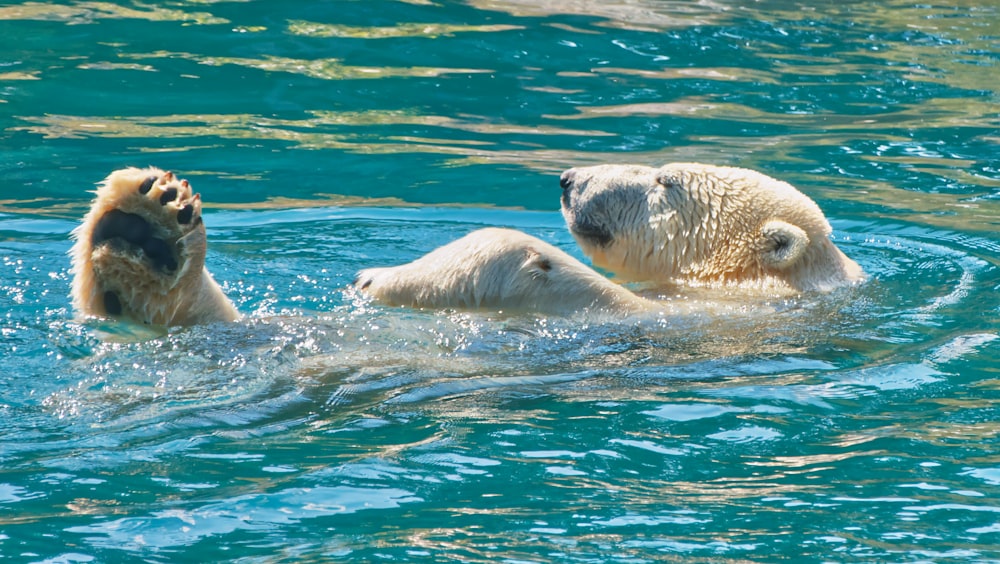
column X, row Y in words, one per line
column 697, row 224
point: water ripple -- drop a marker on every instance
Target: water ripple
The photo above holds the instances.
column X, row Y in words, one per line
column 329, row 137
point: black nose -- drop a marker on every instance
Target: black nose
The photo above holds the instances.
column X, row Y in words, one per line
column 566, row 180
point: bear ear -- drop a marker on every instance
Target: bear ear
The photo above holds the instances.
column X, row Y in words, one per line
column 782, row 244
column 537, row 264
column 669, row 178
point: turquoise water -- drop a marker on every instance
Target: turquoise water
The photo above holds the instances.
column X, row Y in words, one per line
column 331, row 136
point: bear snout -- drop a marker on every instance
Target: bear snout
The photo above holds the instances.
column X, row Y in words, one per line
column 566, row 180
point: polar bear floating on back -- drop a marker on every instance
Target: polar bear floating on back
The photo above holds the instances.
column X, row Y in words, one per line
column 140, row 251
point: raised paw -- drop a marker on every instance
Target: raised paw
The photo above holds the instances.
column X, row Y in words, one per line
column 153, row 214
column 140, row 252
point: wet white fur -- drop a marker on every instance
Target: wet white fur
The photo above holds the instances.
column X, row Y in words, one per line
column 682, row 223
column 499, row 269
column 185, row 297
column 699, row 224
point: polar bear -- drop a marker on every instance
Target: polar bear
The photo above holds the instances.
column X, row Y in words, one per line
column 499, row 269
column 140, row 250
column 140, row 253
column 697, row 224
column 680, row 224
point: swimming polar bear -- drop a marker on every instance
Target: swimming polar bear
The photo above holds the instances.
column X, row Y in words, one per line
column 140, row 251
column 680, row 224
column 697, row 224
column 499, row 269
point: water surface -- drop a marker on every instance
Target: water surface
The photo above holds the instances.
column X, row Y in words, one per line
column 327, row 137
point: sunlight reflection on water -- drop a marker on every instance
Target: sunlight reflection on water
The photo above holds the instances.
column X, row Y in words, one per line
column 325, row 138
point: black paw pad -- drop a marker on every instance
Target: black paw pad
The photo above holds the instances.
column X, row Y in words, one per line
column 169, row 195
column 184, row 216
column 117, row 224
column 130, row 229
column 158, row 251
column 112, row 304
column 146, row 185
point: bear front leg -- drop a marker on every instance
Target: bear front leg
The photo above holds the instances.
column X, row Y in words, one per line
column 140, row 253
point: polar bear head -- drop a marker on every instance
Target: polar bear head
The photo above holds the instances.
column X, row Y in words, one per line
column 705, row 225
